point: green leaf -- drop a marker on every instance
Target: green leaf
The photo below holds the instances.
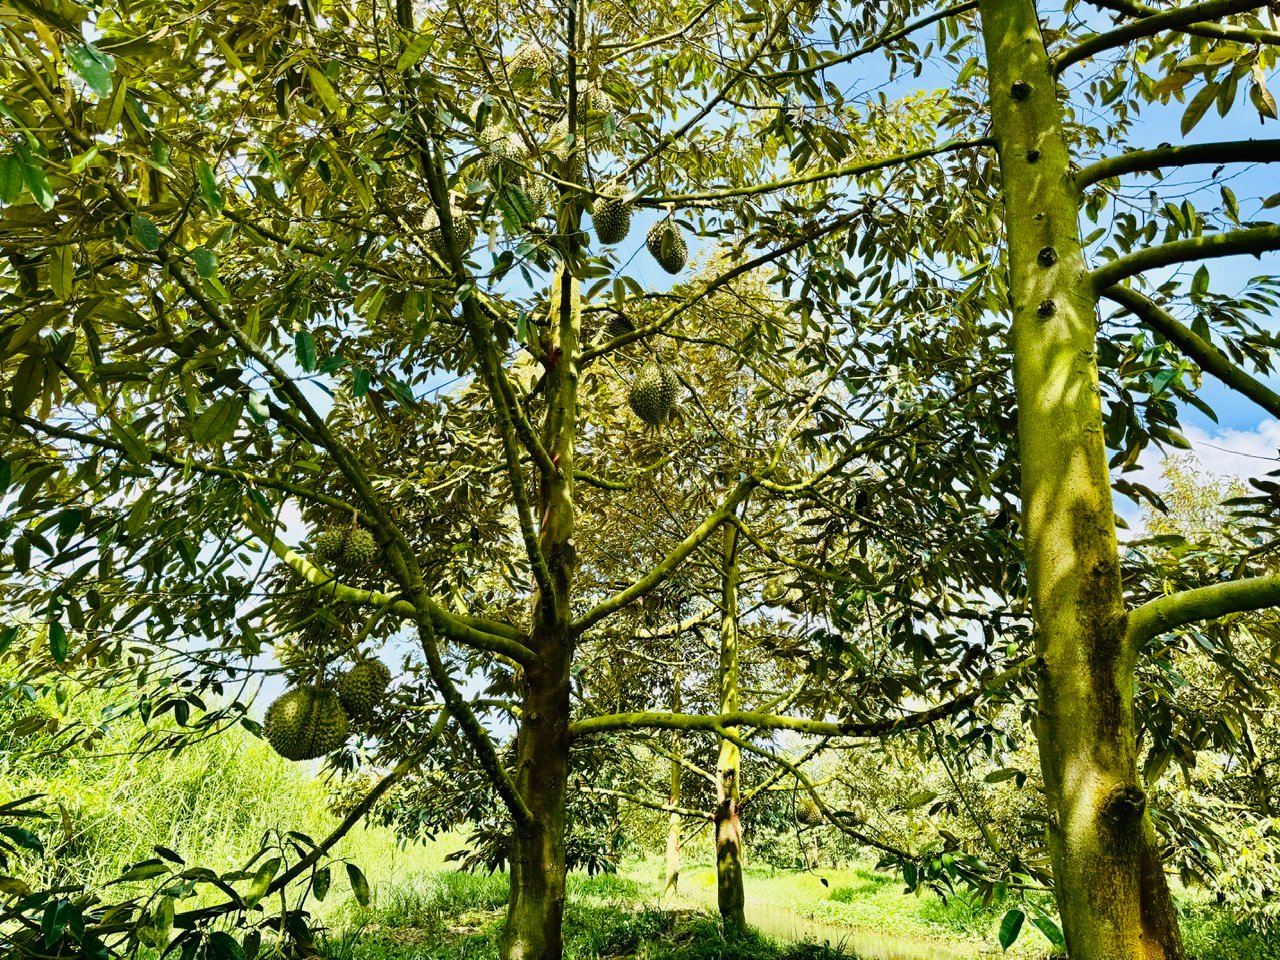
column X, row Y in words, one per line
column 218, row 422
column 323, row 89
column 320, row 883
column 93, row 66
column 57, row 642
column 27, row 384
column 222, row 946
column 359, row 885
column 209, row 191
column 33, row 176
column 262, row 880
column 62, row 271
column 146, row 870
column 1000, row 776
column 1200, row 282
column 1051, row 931
column 360, row 382
column 414, row 51
column 1198, row 106
column 10, row 178
column 21, row 836
column 145, row 231
column 7, row 637
column 206, row 262
column 1010, row 927
column 305, row 348
column 54, row 920
column 5, row 474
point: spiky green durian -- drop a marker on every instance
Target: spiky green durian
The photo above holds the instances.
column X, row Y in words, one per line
column 807, row 811
column 305, row 723
column 361, row 687
column 618, row 324
column 611, row 214
column 666, row 244
column 464, row 233
column 503, row 153
column 652, row 393
column 346, row 548
column 528, row 64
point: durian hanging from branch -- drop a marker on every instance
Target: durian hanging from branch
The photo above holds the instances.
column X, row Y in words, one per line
column 306, row 723
column 653, row 392
column 667, row 245
column 611, row 214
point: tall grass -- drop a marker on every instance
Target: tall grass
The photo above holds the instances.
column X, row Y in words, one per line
column 212, row 803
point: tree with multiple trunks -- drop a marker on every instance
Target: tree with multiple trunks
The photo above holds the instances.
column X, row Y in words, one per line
column 333, row 259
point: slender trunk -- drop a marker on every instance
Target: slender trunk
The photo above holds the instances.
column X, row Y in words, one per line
column 728, row 788
column 672, row 875
column 1108, row 880
column 535, row 910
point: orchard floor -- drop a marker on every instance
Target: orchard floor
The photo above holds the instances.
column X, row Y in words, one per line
column 422, row 909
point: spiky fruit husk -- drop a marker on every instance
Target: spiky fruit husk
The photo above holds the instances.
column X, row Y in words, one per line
column 464, row 233
column 346, row 548
column 618, row 325
column 807, row 811
column 305, row 723
column 361, row 687
column 503, row 153
column 540, row 192
column 652, row 393
column 527, row 64
column 667, row 245
column 611, row 214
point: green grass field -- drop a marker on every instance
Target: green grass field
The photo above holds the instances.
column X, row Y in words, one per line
column 214, row 805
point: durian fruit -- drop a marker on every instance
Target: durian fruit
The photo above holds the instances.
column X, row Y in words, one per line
column 540, row 191
column 464, row 233
column 560, row 148
column 346, row 548
column 528, row 64
column 611, row 213
column 305, row 723
column 807, row 811
column 619, row 323
column 503, row 153
column 361, row 687
column 652, row 393
column 666, row 244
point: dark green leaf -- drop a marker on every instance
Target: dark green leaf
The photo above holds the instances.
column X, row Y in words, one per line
column 304, row 347
column 1010, row 927
column 93, row 66
column 1051, row 931
column 206, row 262
column 10, row 178
column 1198, row 106
column 359, row 885
column 209, row 191
column 145, row 231
column 222, row 946
column 57, row 642
column 33, row 176
column 320, row 883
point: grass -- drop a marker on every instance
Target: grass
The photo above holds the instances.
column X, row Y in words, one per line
column 214, row 804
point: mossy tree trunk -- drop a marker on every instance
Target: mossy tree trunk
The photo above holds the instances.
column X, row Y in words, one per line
column 535, row 911
column 1111, row 890
column 728, row 816
column 671, row 876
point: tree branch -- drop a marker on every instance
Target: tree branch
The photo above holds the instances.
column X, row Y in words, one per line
column 815, row 728
column 1214, row 30
column 1149, row 26
column 668, row 564
column 705, row 197
column 464, row 630
column 651, row 804
column 1202, row 603
column 1211, row 360
column 1143, row 161
column 1255, row 240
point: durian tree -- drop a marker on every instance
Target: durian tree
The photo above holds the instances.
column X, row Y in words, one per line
column 332, row 260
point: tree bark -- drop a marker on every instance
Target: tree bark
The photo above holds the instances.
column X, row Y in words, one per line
column 535, row 910
column 1108, row 880
column 728, row 818
column 672, row 872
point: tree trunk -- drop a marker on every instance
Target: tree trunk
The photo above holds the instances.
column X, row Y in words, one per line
column 672, row 873
column 729, row 893
column 1108, row 880
column 535, row 910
